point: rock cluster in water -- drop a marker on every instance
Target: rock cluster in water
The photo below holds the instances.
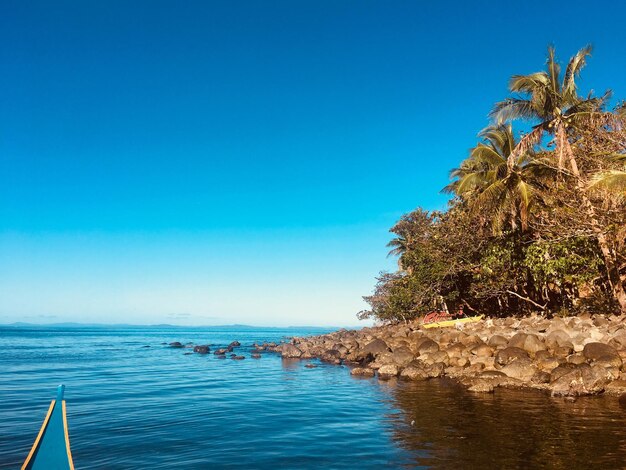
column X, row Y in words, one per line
column 222, row 352
column 568, row 357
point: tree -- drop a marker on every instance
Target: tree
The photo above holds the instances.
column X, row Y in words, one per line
column 492, row 184
column 560, row 112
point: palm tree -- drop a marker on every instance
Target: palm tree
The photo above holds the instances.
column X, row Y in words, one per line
column 553, row 102
column 559, row 110
column 490, row 181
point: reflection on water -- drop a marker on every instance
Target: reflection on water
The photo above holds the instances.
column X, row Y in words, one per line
column 445, row 426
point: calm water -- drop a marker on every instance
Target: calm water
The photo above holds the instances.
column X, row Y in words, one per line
column 132, row 406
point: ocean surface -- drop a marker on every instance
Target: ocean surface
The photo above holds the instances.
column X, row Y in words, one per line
column 136, row 403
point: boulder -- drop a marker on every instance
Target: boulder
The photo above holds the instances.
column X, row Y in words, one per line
column 402, row 356
column 388, row 371
column 176, row 344
column 290, row 351
column 517, row 341
column 481, row 386
column 414, row 372
column 510, row 354
column 579, row 380
column 497, row 341
column 201, row 349
column 362, row 372
column 557, row 338
column 427, row 346
column 532, row 344
column 374, row 348
column 521, row 369
column 482, row 350
column 594, row 351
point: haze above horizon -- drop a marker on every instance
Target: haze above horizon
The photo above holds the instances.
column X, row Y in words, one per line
column 218, row 162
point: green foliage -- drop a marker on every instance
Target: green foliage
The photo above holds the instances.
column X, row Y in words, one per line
column 532, row 225
column 574, row 261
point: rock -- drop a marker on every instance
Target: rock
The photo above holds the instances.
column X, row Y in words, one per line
column 517, row 341
column 510, row 354
column 220, row 351
column 610, row 361
column 332, row 356
column 176, row 344
column 201, row 349
column 594, row 351
column 388, row 371
column 579, row 380
column 427, row 346
column 288, row 350
column 374, row 348
column 617, row 387
column 402, row 356
column 234, row 344
column 238, row 358
column 439, row 356
column 482, row 350
column 547, row 362
column 497, row 341
column 491, row 374
column 414, row 372
column 576, row 358
column 310, row 366
column 557, row 338
column 436, row 370
column 533, row 344
column 622, row 400
column 521, row 369
column 481, row 386
column 362, row 372
column 541, row 377
column 456, row 350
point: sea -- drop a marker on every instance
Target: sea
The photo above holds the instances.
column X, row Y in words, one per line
column 134, row 402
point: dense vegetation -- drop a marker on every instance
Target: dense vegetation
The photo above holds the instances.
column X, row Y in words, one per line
column 537, row 219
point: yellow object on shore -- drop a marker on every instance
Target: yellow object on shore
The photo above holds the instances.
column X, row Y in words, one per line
column 446, row 323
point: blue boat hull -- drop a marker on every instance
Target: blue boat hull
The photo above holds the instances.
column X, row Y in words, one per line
column 51, row 450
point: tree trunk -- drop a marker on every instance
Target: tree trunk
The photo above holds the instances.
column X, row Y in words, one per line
column 610, row 260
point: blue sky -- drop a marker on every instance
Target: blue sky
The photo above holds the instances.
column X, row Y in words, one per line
column 241, row 162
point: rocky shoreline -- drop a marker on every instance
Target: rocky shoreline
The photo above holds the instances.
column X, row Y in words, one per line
column 567, row 357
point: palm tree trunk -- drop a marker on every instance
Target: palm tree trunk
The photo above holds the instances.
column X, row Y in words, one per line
column 610, row 259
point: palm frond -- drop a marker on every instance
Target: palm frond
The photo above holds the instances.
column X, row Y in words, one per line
column 554, row 70
column 610, row 180
column 574, row 67
column 513, row 108
column 528, row 83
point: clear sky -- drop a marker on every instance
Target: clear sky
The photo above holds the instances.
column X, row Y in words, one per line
column 220, row 162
